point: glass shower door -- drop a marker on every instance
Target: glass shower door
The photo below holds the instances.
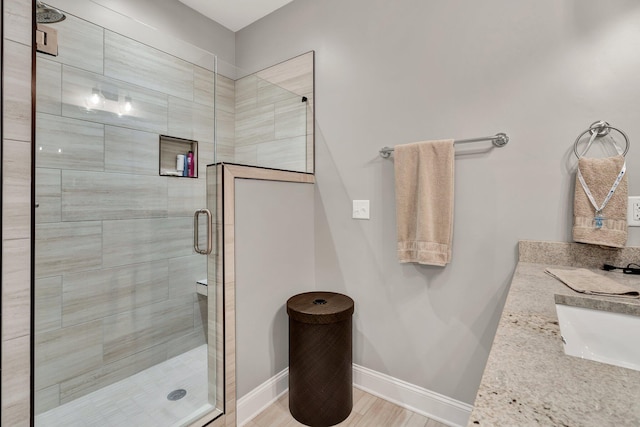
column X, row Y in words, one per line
column 122, row 329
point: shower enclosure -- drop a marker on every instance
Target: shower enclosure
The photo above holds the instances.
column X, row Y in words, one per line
column 122, row 335
column 128, row 295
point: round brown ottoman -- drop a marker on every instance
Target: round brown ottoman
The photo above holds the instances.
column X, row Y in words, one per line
column 320, row 358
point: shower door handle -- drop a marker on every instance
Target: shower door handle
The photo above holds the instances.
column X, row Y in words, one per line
column 196, row 243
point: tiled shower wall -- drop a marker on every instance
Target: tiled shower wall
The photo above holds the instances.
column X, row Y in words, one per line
column 115, row 269
column 16, row 205
column 273, row 127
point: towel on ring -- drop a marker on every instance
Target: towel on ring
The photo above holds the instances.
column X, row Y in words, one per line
column 424, row 201
column 587, row 282
column 599, row 174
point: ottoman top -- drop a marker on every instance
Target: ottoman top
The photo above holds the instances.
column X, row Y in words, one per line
column 320, row 307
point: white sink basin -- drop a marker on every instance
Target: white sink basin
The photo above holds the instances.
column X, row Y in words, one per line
column 606, row 337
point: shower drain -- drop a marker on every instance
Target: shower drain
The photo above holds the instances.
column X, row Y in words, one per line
column 177, row 394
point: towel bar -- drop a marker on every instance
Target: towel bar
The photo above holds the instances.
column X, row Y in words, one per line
column 499, row 140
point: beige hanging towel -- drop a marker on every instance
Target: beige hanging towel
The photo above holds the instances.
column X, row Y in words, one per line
column 599, row 175
column 424, row 201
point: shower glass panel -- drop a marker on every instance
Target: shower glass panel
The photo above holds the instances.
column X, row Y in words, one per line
column 122, row 330
column 266, row 118
column 270, row 127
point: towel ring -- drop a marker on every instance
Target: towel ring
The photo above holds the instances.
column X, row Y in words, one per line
column 601, row 128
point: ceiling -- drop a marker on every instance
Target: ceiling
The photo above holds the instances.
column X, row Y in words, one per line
column 235, row 14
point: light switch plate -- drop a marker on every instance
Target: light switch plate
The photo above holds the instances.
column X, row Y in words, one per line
column 633, row 211
column 360, row 209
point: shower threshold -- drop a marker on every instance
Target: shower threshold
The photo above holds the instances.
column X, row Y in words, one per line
column 141, row 399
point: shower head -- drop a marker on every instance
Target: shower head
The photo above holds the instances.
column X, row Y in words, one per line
column 47, row 15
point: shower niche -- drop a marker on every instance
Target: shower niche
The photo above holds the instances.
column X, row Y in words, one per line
column 178, row 157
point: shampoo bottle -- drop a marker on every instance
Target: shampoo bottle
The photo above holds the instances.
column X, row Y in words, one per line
column 185, row 170
column 190, row 163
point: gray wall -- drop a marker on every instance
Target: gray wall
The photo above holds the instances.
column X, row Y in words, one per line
column 274, row 261
column 396, row 72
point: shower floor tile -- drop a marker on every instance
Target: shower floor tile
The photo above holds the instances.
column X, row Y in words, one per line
column 141, row 400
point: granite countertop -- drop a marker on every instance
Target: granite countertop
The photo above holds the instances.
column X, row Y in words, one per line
column 529, row 380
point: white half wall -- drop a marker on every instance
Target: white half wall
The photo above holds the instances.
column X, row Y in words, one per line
column 274, row 243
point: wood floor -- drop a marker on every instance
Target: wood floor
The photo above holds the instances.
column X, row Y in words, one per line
column 368, row 411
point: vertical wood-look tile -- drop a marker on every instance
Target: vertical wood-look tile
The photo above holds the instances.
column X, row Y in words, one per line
column 190, row 120
column 68, row 143
column 186, row 341
column 225, row 153
column 16, row 194
column 185, row 196
column 225, row 128
column 225, row 95
column 91, row 295
column 80, row 44
column 141, row 240
column 290, row 119
column 48, row 193
column 16, row 177
column 65, row 353
column 294, row 75
column 255, row 125
column 15, row 382
column 180, row 121
column 16, row 289
column 92, row 196
column 206, row 157
column 47, row 398
column 204, row 87
column 200, row 312
column 269, row 94
column 287, row 154
column 130, row 151
column 131, row 332
column 48, row 303
column 184, row 272
column 149, row 112
column 204, row 123
column 131, row 61
column 17, row 91
column 17, row 21
column 48, row 86
column 110, row 373
column 246, row 93
column 67, row 247
column 246, row 155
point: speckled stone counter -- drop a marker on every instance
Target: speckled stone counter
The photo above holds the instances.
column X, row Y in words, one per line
column 528, row 379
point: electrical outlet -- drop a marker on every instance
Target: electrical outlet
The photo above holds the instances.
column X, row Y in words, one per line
column 633, row 211
column 360, row 209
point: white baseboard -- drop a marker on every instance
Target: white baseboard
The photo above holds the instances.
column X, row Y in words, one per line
column 262, row 396
column 417, row 399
